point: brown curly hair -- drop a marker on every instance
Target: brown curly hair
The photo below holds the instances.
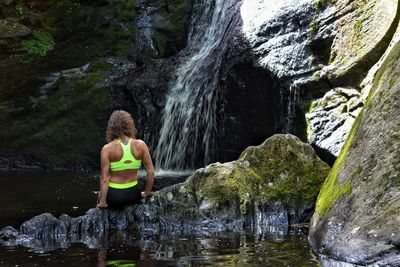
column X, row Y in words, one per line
column 119, row 124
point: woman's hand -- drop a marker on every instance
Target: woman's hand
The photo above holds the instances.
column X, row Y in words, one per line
column 102, row 205
column 144, row 194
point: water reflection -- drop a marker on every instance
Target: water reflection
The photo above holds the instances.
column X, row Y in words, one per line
column 225, row 249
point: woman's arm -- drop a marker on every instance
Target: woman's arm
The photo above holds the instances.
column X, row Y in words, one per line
column 148, row 165
column 105, row 177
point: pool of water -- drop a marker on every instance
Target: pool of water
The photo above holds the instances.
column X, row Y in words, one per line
column 29, row 193
column 26, row 194
column 228, row 249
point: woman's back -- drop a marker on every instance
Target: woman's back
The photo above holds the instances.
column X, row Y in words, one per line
column 120, row 161
column 125, row 158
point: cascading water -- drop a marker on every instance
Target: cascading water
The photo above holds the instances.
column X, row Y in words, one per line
column 189, row 116
column 292, row 100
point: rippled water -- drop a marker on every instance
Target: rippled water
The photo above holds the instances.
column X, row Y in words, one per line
column 23, row 195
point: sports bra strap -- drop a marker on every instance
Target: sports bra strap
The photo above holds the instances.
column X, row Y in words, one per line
column 127, row 156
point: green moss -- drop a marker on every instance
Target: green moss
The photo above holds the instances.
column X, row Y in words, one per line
column 308, row 124
column 275, row 173
column 40, row 44
column 100, row 65
column 319, row 4
column 357, row 172
column 316, row 76
column 313, row 28
column 332, row 57
column 161, row 43
column 19, row 10
column 332, row 189
column 359, row 24
column 121, row 263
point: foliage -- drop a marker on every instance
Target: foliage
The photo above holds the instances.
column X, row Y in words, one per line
column 19, row 10
column 40, row 44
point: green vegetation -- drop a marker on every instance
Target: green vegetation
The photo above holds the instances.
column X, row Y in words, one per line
column 313, row 28
column 275, row 171
column 72, row 118
column 359, row 24
column 332, row 189
column 321, row 3
column 40, row 44
column 100, row 65
column 332, row 57
column 310, row 110
column 19, row 10
column 73, row 33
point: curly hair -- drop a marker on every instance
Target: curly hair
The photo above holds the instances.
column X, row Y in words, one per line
column 119, row 124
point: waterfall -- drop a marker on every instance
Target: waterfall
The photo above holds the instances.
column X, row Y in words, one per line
column 189, row 116
column 292, row 100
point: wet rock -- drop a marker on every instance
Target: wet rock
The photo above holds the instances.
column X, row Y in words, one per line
column 8, row 233
column 141, row 91
column 12, row 29
column 356, row 218
column 273, row 184
column 330, row 119
column 162, row 28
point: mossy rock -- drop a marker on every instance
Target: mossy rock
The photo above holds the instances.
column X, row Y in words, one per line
column 63, row 127
column 357, row 211
column 362, row 37
column 282, row 174
column 282, row 169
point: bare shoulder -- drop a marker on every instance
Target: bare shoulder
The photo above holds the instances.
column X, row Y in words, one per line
column 141, row 143
column 108, row 147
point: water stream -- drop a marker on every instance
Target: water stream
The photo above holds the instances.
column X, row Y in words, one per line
column 189, row 116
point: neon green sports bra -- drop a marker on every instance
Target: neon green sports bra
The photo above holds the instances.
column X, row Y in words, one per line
column 128, row 161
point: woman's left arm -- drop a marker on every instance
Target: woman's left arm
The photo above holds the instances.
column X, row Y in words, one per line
column 105, row 178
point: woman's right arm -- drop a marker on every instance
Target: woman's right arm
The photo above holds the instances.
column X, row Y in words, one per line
column 105, row 177
column 148, row 165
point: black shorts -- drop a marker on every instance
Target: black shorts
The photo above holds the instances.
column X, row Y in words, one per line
column 117, row 198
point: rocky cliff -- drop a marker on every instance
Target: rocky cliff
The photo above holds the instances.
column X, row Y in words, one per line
column 356, row 217
column 355, row 41
column 56, row 57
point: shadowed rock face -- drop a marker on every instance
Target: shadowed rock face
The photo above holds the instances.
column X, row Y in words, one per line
column 273, row 184
column 357, row 212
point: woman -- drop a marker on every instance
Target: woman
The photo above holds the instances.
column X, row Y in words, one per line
column 120, row 162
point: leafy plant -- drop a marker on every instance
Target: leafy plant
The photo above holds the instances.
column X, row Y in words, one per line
column 40, row 44
column 19, row 10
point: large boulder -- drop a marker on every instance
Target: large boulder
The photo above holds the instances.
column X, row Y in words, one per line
column 356, row 218
column 275, row 183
